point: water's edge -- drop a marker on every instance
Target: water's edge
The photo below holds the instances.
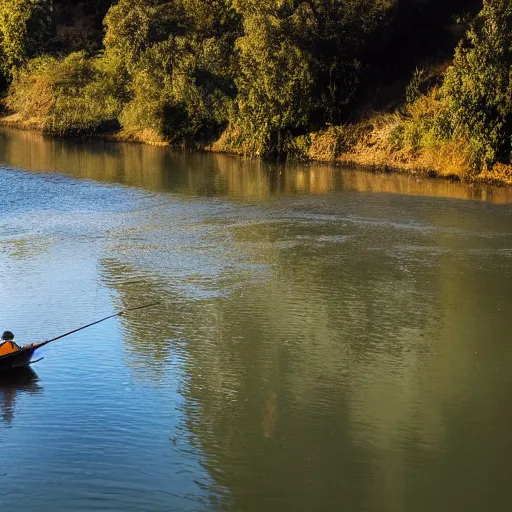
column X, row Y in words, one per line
column 349, row 160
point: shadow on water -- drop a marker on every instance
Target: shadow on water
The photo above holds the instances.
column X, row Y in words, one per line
column 12, row 384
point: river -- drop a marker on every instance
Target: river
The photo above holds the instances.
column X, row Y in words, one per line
column 327, row 339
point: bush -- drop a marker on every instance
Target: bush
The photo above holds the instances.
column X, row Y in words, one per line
column 422, row 81
column 477, row 90
column 74, row 96
column 31, row 92
column 178, row 72
column 274, row 83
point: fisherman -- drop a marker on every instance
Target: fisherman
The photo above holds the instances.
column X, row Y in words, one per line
column 7, row 345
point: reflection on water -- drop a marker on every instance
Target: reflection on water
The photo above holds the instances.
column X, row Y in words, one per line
column 349, row 372
column 157, row 168
column 13, row 384
column 320, row 345
column 270, row 415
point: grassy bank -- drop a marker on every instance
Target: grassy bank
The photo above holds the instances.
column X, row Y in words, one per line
column 367, row 145
column 38, row 124
column 372, row 145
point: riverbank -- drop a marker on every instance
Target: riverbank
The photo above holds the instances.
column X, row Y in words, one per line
column 16, row 121
column 369, row 145
column 365, row 145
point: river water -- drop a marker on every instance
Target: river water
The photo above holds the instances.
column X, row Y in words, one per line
column 327, row 339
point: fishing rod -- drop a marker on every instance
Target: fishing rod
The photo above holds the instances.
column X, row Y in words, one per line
column 121, row 313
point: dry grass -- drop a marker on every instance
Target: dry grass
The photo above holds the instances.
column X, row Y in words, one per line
column 144, row 136
column 446, row 159
column 226, row 143
column 232, row 141
column 405, row 141
column 17, row 121
column 325, row 146
column 500, row 174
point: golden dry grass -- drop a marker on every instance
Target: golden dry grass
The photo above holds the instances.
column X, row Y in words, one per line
column 17, row 121
column 144, row 136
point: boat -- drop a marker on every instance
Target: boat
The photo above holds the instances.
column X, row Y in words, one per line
column 17, row 357
column 21, row 358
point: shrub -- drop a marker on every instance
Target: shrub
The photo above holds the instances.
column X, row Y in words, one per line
column 74, row 96
column 274, row 83
column 31, row 92
column 477, row 90
column 177, row 65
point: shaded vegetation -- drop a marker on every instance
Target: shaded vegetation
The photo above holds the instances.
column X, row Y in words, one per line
column 273, row 78
column 462, row 125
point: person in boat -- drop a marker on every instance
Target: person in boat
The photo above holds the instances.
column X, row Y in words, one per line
column 7, row 344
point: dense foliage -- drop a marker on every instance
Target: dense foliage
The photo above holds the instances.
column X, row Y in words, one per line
column 478, row 86
column 262, row 74
column 24, row 31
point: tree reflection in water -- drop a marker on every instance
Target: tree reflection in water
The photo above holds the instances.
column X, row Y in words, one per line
column 162, row 169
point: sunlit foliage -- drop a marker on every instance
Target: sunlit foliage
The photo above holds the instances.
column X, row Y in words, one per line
column 177, row 56
column 263, row 73
column 478, row 86
column 24, row 30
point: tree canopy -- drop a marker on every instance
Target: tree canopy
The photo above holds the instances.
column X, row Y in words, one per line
column 478, row 86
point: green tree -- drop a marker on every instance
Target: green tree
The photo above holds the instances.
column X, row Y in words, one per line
column 478, row 86
column 177, row 59
column 274, row 83
column 337, row 34
column 134, row 26
column 25, row 27
column 299, row 63
column 72, row 96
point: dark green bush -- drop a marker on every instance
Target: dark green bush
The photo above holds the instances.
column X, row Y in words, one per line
column 477, row 89
column 179, row 79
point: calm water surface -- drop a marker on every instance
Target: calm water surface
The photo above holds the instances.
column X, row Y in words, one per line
column 327, row 339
